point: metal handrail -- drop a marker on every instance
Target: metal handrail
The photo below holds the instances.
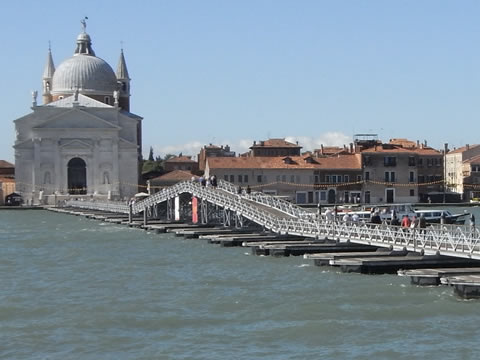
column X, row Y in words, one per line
column 269, row 200
column 460, row 241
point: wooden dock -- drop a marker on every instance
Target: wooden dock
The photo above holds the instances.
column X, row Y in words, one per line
column 391, row 264
column 437, row 276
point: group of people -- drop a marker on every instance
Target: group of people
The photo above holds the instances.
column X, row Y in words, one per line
column 248, row 190
column 415, row 222
column 207, row 181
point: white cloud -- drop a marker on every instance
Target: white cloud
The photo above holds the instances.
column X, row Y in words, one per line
column 242, row 145
column 328, row 139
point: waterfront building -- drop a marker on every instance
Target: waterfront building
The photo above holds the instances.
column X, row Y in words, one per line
column 455, row 162
column 471, row 179
column 302, row 179
column 83, row 139
column 7, row 169
column 400, row 171
column 169, row 179
column 182, row 162
column 213, row 151
column 274, row 147
column 7, row 187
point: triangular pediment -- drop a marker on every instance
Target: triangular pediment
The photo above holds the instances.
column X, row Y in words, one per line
column 76, row 144
column 76, row 119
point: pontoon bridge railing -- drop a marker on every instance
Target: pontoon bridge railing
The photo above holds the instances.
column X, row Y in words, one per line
column 460, row 241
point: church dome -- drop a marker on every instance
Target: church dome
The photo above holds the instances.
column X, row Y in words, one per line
column 88, row 73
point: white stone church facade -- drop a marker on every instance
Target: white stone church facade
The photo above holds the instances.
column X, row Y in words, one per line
column 82, row 141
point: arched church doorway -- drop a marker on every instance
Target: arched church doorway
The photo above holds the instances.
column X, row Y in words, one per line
column 77, row 176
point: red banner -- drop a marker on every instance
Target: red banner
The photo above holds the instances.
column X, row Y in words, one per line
column 194, row 210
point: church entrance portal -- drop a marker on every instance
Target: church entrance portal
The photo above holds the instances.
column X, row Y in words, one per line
column 77, row 177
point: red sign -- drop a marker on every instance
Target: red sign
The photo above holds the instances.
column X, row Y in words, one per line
column 194, row 210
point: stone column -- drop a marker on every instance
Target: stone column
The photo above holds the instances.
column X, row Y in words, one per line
column 115, row 178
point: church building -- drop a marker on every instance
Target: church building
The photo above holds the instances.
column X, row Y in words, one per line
column 83, row 141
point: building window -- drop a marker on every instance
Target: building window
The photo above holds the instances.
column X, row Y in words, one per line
column 367, row 197
column 284, row 178
column 390, row 176
column 359, row 177
column 412, row 192
column 310, row 197
column 390, row 161
column 107, row 100
column 259, row 178
column 245, row 178
column 317, row 179
column 301, row 197
column 240, row 178
column 420, row 162
column 232, row 178
column 278, row 178
column 323, row 195
column 411, row 177
column 327, row 178
column 411, row 161
column 346, row 178
column 225, row 177
column 292, row 178
column 367, row 175
column 421, row 179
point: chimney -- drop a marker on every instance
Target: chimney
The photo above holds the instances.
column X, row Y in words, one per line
column 321, row 149
column 351, row 148
column 467, row 147
column 425, row 143
column 297, row 142
column 254, row 143
column 418, row 143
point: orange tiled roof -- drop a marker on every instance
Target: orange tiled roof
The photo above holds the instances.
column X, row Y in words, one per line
column 472, row 160
column 7, row 179
column 184, row 159
column 462, row 149
column 179, row 175
column 275, row 143
column 403, row 142
column 6, row 164
column 391, row 148
column 351, row 162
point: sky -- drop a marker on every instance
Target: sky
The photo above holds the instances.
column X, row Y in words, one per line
column 231, row 72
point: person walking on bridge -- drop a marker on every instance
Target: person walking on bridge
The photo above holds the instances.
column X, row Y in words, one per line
column 406, row 221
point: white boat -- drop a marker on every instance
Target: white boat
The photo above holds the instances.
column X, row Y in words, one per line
column 435, row 216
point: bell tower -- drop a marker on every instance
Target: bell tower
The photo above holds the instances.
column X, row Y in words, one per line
column 123, row 83
column 48, row 77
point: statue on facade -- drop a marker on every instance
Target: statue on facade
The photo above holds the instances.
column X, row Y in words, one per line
column 84, row 24
column 34, row 97
column 116, row 95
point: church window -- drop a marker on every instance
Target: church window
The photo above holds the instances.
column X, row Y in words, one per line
column 107, row 100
